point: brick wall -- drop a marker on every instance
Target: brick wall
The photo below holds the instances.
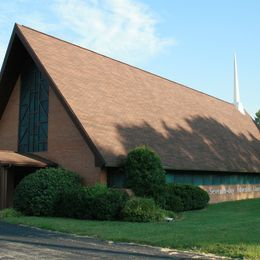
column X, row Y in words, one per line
column 66, row 146
column 9, row 121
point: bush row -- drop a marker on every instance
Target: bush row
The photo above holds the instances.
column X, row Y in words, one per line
column 59, row 193
column 96, row 202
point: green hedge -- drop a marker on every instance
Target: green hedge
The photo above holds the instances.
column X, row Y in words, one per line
column 191, row 197
column 142, row 210
column 144, row 173
column 73, row 204
column 172, row 202
column 97, row 202
column 38, row 192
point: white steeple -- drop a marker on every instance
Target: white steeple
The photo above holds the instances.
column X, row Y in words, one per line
column 237, row 102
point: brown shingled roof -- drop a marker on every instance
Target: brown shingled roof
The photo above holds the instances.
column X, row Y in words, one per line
column 119, row 107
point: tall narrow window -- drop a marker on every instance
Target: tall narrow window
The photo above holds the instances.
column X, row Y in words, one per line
column 34, row 103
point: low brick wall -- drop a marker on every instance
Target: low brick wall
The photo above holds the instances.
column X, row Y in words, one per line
column 220, row 193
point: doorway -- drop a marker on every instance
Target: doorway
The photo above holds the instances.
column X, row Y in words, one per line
column 10, row 177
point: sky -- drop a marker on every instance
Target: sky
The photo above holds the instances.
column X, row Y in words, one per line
column 191, row 42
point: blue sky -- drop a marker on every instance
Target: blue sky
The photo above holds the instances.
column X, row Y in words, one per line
column 191, row 42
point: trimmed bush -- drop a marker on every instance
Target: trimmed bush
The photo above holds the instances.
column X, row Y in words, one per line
column 96, row 190
column 37, row 193
column 74, row 203
column 97, row 202
column 144, row 173
column 142, row 210
column 108, row 205
column 9, row 212
column 172, row 201
column 192, row 197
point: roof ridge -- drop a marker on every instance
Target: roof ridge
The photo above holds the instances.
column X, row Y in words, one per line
column 143, row 70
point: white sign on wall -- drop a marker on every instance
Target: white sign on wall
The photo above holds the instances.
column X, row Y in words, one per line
column 231, row 189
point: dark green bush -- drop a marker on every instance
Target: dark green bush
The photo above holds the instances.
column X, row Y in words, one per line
column 200, row 198
column 96, row 202
column 96, row 190
column 37, row 193
column 192, row 197
column 144, row 173
column 108, row 206
column 142, row 210
column 74, row 203
column 172, row 201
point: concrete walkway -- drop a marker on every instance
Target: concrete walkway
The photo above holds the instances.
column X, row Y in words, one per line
column 22, row 242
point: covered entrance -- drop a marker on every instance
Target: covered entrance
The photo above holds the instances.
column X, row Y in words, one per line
column 13, row 167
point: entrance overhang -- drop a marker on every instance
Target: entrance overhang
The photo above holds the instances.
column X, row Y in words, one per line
column 10, row 158
column 9, row 161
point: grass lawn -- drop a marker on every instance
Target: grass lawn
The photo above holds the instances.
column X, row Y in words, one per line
column 230, row 229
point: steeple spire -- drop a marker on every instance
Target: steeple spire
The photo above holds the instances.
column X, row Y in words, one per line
column 237, row 102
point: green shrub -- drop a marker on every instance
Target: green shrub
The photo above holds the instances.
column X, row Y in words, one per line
column 10, row 212
column 108, row 205
column 172, row 201
column 96, row 202
column 168, row 214
column 74, row 203
column 96, row 190
column 200, row 198
column 192, row 197
column 142, row 210
column 38, row 192
column 144, row 173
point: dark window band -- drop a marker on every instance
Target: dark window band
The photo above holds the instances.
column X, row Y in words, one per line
column 213, row 179
column 34, row 103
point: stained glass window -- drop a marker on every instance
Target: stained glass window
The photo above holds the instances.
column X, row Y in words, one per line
column 34, row 102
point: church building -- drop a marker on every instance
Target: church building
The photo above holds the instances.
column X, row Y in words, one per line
column 64, row 105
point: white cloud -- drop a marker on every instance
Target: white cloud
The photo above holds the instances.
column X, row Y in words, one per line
column 123, row 29
column 23, row 12
column 36, row 21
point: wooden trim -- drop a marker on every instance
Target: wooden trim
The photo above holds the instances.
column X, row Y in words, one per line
column 3, row 187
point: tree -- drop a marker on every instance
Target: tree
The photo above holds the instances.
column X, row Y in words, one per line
column 257, row 118
column 144, row 173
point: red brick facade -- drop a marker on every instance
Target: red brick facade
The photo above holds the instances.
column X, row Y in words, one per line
column 66, row 146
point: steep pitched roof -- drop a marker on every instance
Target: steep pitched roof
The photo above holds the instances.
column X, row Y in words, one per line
column 119, row 107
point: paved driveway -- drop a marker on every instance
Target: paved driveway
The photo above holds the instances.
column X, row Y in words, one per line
column 20, row 242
